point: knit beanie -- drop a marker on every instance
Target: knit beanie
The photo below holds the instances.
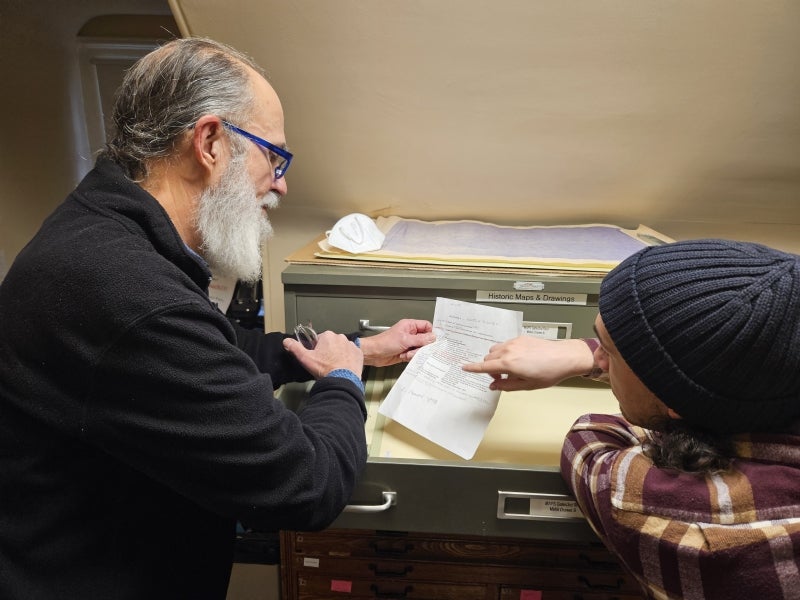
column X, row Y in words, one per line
column 712, row 328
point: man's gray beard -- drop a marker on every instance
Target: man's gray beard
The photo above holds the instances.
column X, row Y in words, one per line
column 232, row 225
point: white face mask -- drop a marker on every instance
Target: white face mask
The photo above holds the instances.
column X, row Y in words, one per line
column 355, row 233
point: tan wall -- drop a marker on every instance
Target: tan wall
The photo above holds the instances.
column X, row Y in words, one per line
column 680, row 115
column 43, row 149
column 683, row 116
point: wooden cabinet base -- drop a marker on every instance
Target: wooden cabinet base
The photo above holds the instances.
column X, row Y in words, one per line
column 359, row 564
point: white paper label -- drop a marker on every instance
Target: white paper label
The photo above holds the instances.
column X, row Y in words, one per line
column 555, row 508
column 520, row 297
column 528, row 285
column 546, row 331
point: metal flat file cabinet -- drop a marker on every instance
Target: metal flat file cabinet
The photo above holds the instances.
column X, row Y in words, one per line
column 413, row 490
column 346, row 299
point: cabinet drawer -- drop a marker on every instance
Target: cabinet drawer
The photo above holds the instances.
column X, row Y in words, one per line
column 338, row 298
column 463, row 573
column 344, row 314
column 514, row 593
column 355, row 544
column 321, row 588
column 347, row 314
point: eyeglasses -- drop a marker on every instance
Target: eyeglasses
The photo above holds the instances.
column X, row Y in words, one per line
column 306, row 336
column 277, row 156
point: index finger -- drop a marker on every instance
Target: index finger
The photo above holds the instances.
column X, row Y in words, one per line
column 487, row 366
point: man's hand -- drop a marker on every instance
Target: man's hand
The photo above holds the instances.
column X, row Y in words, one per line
column 333, row 351
column 529, row 363
column 398, row 343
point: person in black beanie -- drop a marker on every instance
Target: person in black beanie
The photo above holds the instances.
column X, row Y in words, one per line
column 696, row 485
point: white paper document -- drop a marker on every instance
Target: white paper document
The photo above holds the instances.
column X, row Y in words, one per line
column 433, row 396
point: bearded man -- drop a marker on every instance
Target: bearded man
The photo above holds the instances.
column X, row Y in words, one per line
column 137, row 423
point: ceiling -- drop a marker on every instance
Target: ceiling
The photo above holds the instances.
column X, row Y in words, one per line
column 625, row 111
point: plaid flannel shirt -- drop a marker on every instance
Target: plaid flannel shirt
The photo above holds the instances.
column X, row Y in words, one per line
column 727, row 536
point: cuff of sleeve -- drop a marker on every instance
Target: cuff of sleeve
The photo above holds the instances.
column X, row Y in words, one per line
column 596, row 371
column 347, row 374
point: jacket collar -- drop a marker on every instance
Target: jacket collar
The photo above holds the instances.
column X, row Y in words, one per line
column 106, row 189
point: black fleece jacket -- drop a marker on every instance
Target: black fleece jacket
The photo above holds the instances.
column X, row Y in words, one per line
column 137, row 425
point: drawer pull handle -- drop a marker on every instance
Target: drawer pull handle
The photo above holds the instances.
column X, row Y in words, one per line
column 384, row 571
column 363, row 325
column 383, row 548
column 603, row 564
column 389, row 500
column 391, row 594
column 601, row 586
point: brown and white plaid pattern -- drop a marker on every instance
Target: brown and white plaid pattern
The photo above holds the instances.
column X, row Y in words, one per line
column 687, row 536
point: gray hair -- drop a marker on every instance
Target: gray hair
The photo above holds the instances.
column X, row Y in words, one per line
column 167, row 91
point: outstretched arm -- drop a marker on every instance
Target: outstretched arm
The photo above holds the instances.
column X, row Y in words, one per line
column 529, row 363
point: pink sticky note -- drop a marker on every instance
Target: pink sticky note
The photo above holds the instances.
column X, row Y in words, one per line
column 530, row 595
column 337, row 585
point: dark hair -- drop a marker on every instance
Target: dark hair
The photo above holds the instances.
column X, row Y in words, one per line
column 674, row 444
column 166, row 91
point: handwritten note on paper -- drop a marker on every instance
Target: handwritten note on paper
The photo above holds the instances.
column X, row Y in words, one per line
column 434, row 397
